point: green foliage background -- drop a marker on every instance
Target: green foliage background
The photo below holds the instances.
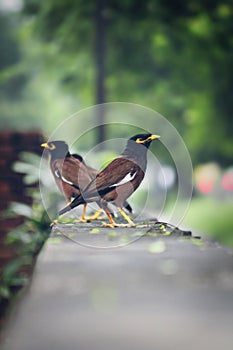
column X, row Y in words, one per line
column 172, row 56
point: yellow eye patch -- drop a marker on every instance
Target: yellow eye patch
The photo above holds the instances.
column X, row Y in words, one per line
column 51, row 147
column 150, row 138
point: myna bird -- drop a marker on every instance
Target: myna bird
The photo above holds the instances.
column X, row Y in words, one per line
column 93, row 172
column 118, row 180
column 71, row 173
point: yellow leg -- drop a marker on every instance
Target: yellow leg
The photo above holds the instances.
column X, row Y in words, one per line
column 83, row 218
column 112, row 223
column 95, row 216
column 126, row 217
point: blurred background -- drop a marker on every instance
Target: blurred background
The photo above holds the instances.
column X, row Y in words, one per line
column 176, row 57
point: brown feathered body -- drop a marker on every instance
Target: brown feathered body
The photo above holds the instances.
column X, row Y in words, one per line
column 71, row 175
column 108, row 188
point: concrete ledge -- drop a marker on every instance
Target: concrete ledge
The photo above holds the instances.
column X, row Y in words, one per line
column 158, row 292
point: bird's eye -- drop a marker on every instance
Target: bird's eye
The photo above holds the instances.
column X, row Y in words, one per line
column 140, row 140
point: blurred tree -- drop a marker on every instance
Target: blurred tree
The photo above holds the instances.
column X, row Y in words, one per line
column 173, row 56
column 100, row 44
column 26, row 89
column 11, row 79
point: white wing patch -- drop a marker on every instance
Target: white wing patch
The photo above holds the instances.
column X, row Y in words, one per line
column 129, row 177
column 67, row 181
column 57, row 173
column 59, row 176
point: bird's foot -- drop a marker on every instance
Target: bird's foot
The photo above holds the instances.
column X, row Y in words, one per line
column 80, row 220
column 104, row 224
column 84, row 220
column 95, row 216
column 130, row 224
column 112, row 225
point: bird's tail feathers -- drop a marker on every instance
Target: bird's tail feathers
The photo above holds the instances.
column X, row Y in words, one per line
column 75, row 202
column 128, row 207
column 64, row 210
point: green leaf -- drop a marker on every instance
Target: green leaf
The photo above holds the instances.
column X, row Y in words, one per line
column 21, row 209
column 152, row 234
column 138, row 234
column 54, row 240
column 95, row 230
column 19, row 281
column 112, row 234
column 166, row 233
column 62, row 220
column 11, row 269
column 23, row 168
column 31, row 179
column 5, row 292
column 198, row 242
column 157, row 247
column 30, row 158
column 71, row 234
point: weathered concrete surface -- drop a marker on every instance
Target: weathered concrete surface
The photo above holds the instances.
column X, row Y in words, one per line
column 156, row 292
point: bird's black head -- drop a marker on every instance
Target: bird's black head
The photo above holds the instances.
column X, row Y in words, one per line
column 143, row 139
column 57, row 149
column 77, row 156
column 137, row 147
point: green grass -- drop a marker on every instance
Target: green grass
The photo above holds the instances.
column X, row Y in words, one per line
column 213, row 217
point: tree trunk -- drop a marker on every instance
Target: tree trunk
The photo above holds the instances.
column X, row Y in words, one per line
column 100, row 68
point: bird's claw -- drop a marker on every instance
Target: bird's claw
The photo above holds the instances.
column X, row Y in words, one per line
column 81, row 220
column 95, row 216
column 104, row 224
column 126, row 225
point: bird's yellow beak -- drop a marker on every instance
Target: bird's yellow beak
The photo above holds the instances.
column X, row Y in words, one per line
column 153, row 137
column 44, row 145
column 47, row 146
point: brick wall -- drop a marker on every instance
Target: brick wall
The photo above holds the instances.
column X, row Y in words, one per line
column 12, row 187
